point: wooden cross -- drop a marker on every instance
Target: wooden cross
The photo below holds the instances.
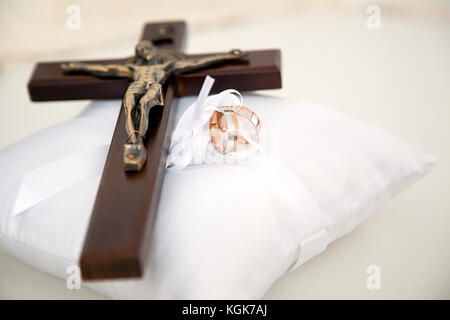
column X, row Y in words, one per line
column 116, row 243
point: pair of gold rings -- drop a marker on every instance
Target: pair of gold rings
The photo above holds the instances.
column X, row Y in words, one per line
column 225, row 131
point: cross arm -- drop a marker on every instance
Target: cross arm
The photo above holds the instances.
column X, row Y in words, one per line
column 259, row 70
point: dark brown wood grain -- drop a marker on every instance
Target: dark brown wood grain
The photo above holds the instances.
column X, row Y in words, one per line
column 260, row 70
column 116, row 243
column 126, row 204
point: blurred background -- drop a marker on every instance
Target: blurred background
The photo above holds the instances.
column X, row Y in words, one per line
column 383, row 62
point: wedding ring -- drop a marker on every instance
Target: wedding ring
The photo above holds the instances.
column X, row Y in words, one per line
column 224, row 127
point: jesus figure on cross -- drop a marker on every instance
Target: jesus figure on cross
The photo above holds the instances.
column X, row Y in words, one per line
column 148, row 70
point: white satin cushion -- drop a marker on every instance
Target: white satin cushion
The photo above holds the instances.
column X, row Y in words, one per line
column 220, row 233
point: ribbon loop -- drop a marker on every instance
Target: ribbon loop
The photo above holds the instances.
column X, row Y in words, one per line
column 189, row 139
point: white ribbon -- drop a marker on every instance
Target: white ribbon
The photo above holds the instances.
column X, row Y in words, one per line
column 43, row 182
column 309, row 222
column 191, row 136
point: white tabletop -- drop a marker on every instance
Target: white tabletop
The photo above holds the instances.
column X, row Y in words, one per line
column 396, row 78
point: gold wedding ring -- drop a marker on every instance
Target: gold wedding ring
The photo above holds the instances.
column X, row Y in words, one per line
column 224, row 127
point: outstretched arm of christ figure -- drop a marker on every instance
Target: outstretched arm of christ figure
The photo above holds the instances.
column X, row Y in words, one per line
column 193, row 64
column 100, row 70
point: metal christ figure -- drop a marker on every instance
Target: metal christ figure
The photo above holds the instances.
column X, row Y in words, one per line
column 148, row 70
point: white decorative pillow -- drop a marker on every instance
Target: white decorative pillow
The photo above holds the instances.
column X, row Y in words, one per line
column 220, row 231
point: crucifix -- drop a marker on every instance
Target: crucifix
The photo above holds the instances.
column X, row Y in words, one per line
column 124, row 211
